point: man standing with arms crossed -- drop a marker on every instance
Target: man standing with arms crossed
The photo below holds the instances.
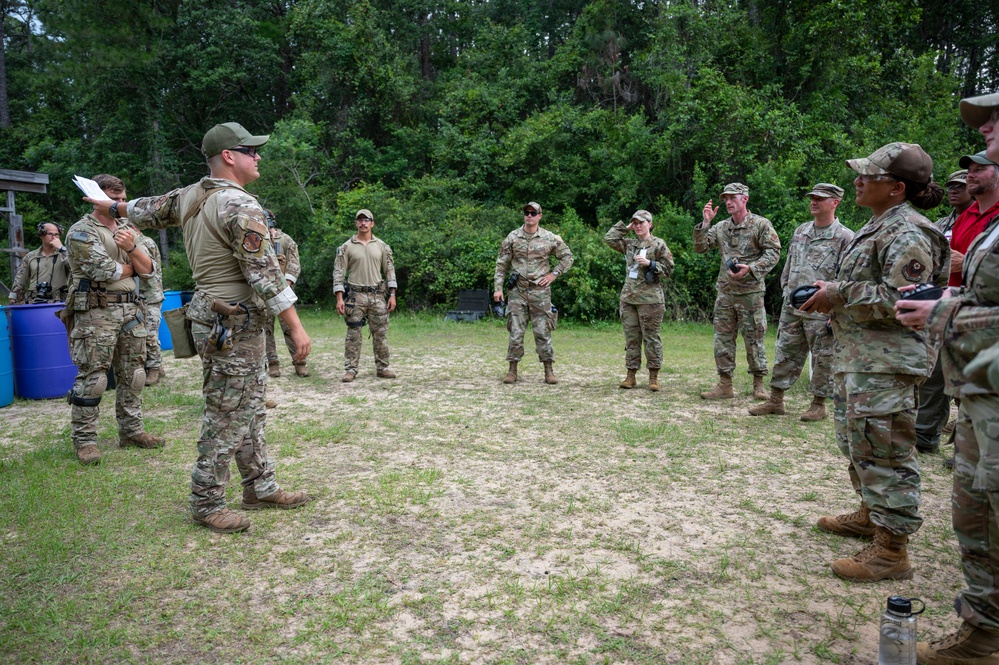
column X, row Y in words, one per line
column 526, row 253
column 749, row 244
column 225, row 235
column 813, row 254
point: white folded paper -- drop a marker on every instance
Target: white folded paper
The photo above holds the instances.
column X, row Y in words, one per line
column 90, row 188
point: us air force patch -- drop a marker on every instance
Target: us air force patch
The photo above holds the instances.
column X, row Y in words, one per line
column 252, row 242
column 913, row 271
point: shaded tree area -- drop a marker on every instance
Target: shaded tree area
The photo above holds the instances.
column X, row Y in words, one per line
column 443, row 117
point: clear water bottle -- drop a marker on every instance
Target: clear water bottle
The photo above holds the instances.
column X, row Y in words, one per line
column 897, row 643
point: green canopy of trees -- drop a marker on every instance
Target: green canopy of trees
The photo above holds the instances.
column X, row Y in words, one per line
column 444, row 116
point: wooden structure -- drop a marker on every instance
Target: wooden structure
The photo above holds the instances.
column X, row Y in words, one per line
column 18, row 181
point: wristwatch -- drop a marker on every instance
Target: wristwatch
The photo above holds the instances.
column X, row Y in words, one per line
column 113, row 210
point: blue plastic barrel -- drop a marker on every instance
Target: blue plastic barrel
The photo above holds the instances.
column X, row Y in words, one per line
column 6, row 363
column 39, row 346
column 186, row 297
column 171, row 300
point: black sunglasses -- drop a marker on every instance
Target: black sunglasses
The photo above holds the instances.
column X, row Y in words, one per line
column 250, row 152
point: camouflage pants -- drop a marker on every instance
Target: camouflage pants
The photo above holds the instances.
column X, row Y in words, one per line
column 373, row 307
column 101, row 338
column 272, row 356
column 876, row 430
column 154, row 357
column 534, row 307
column 735, row 313
column 797, row 336
column 233, row 384
column 975, row 508
column 641, row 325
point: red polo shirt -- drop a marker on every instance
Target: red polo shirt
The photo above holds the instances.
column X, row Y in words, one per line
column 967, row 227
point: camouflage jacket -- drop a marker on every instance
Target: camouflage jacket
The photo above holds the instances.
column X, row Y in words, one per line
column 946, row 224
column 36, row 269
column 969, row 323
column 151, row 288
column 93, row 255
column 529, row 257
column 360, row 264
column 225, row 236
column 636, row 290
column 899, row 248
column 813, row 254
column 753, row 242
column 286, row 250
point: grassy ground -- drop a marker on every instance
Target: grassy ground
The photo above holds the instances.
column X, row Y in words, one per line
column 457, row 519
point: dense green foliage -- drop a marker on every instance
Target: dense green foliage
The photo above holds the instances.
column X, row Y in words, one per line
column 443, row 117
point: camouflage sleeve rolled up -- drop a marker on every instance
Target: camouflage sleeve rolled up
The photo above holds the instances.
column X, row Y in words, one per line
column 241, row 216
column 503, row 263
column 340, row 268
column 388, row 267
column 294, row 267
column 87, row 253
column 705, row 237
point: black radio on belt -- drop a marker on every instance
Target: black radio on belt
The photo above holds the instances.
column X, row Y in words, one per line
column 923, row 292
column 801, row 295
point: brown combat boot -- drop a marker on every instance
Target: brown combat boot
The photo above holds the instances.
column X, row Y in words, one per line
column 857, row 524
column 721, row 391
column 759, row 392
column 773, row 406
column 274, row 370
column 883, row 559
column 348, row 376
column 817, row 411
column 385, row 373
column 140, row 440
column 629, row 381
column 280, row 499
column 152, row 376
column 549, row 373
column 302, row 370
column 968, row 645
column 654, row 380
column 88, row 454
column 511, row 375
column 223, row 521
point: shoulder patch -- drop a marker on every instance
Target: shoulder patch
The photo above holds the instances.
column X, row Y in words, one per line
column 252, row 242
column 913, row 271
column 79, row 235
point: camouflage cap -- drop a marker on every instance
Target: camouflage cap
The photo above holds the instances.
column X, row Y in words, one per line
column 976, row 111
column 735, row 188
column 904, row 160
column 826, row 190
column 536, row 207
column 227, row 136
column 957, row 177
column 977, row 158
column 364, row 212
column 643, row 216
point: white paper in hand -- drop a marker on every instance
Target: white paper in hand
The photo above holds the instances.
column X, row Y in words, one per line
column 90, row 188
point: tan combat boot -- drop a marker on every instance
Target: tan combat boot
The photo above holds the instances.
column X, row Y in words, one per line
column 773, row 406
column 511, row 376
column 817, row 411
column 759, row 392
column 968, row 645
column 654, row 380
column 140, row 440
column 385, row 374
column 857, row 524
column 274, row 370
column 629, row 381
column 280, row 499
column 302, row 370
column 883, row 559
column 223, row 521
column 348, row 376
column 88, row 454
column 549, row 373
column 152, row 376
column 721, row 391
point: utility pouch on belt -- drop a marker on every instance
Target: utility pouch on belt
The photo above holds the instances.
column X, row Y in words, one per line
column 81, row 297
column 180, row 331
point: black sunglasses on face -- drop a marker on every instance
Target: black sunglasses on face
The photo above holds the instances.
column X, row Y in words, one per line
column 250, row 152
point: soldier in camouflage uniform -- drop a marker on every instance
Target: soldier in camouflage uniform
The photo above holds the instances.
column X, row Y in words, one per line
column 526, row 253
column 647, row 261
column 151, row 289
column 49, row 264
column 879, row 362
column 751, row 242
column 813, row 254
column 235, row 269
column 364, row 270
column 968, row 324
column 107, row 261
column 286, row 250
column 958, row 197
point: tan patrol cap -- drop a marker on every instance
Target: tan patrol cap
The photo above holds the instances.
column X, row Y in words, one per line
column 364, row 212
column 977, row 158
column 826, row 190
column 536, row 207
column 643, row 216
column 735, row 188
column 957, row 176
column 227, row 136
column 976, row 111
column 905, row 160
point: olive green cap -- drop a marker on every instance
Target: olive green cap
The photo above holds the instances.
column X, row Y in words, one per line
column 364, row 212
column 227, row 136
column 977, row 158
column 976, row 111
